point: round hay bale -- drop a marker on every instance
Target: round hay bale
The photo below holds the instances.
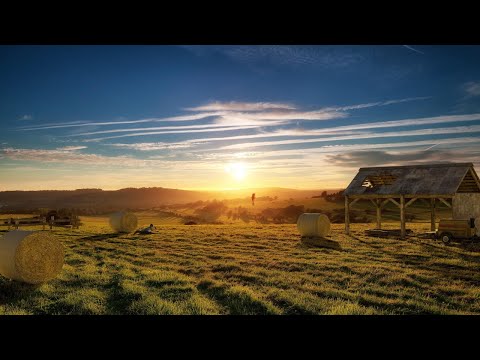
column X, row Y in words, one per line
column 313, row 224
column 123, row 222
column 33, row 257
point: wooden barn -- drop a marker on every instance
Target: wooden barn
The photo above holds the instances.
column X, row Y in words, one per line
column 455, row 184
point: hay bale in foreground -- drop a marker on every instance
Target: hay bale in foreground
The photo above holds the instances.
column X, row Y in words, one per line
column 313, row 224
column 123, row 222
column 33, row 257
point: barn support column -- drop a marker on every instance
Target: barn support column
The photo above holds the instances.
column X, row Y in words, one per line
column 379, row 214
column 432, row 214
column 347, row 216
column 402, row 216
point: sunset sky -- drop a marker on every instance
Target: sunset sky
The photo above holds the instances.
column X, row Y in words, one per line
column 222, row 117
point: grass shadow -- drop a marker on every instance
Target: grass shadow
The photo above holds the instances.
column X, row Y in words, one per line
column 11, row 291
column 319, row 242
column 237, row 302
column 119, row 299
column 100, row 237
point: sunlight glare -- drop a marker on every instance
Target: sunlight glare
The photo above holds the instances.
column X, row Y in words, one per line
column 236, row 170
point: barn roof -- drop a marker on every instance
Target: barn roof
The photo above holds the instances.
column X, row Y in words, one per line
column 431, row 179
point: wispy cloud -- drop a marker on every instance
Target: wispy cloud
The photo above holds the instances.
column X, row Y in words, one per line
column 189, row 117
column 379, row 103
column 151, row 146
column 156, row 128
column 62, row 155
column 241, row 106
column 71, row 148
column 231, row 128
column 370, row 135
column 286, row 55
column 26, row 117
column 472, row 88
column 337, row 130
column 389, row 158
column 224, row 114
column 413, row 49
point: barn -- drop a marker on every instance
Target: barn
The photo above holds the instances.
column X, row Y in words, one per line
column 455, row 184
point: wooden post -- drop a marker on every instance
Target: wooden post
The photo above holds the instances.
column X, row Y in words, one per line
column 379, row 214
column 432, row 214
column 347, row 216
column 402, row 216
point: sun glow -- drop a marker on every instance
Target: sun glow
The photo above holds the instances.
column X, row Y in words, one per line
column 237, row 171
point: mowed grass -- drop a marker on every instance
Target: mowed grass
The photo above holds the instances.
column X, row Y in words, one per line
column 250, row 269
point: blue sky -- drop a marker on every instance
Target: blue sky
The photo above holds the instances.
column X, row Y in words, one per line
column 219, row 117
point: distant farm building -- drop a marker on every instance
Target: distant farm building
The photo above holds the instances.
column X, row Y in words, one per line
column 457, row 185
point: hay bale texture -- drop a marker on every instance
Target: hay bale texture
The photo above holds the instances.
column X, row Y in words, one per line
column 123, row 222
column 313, row 224
column 32, row 257
column 477, row 226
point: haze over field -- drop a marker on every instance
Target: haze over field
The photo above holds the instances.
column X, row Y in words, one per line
column 231, row 117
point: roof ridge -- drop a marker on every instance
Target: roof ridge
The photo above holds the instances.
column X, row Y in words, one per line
column 419, row 166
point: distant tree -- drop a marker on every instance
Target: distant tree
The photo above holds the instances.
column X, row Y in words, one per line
column 292, row 212
column 324, row 194
column 212, row 211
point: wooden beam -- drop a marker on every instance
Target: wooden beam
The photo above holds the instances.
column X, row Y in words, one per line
column 475, row 177
column 347, row 216
column 402, row 216
column 379, row 214
column 395, row 202
column 410, row 202
column 383, row 203
column 374, row 202
column 445, row 202
column 354, row 201
column 432, row 214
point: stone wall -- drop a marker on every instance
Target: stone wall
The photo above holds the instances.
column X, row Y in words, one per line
column 466, row 206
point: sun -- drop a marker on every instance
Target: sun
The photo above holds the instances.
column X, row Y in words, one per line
column 237, row 170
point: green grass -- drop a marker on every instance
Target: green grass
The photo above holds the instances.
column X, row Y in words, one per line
column 250, row 269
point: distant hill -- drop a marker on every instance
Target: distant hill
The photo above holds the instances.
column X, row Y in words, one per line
column 129, row 198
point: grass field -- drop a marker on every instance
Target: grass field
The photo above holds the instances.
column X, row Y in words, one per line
column 249, row 269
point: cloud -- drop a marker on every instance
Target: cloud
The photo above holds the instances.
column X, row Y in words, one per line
column 345, row 148
column 231, row 128
column 385, row 158
column 411, row 48
column 240, row 106
column 190, row 117
column 71, row 148
column 229, row 114
column 338, row 130
column 369, row 135
column 74, row 158
column 26, row 117
column 285, row 55
column 62, row 155
column 155, row 146
column 472, row 89
column 156, row 128
column 379, row 103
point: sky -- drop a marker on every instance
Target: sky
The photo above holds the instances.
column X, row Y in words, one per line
column 234, row 116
